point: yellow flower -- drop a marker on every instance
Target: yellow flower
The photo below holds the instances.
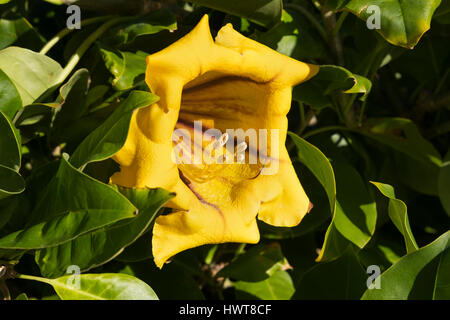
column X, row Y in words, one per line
column 231, row 82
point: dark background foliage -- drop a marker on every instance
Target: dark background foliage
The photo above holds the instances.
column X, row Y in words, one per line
column 369, row 140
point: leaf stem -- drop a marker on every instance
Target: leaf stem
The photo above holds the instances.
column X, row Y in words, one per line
column 339, row 23
column 66, row 31
column 33, row 278
column 85, row 45
column 310, row 17
column 324, row 129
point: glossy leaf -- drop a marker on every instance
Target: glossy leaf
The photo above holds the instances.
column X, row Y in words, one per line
column 105, row 244
column 32, row 73
column 398, row 213
column 401, row 280
column 255, row 264
column 12, row 30
column 9, row 144
column 330, row 79
column 293, row 36
column 263, row 12
column 104, row 286
column 321, row 168
column 139, row 250
column 356, row 212
column 10, row 101
column 109, row 137
column 402, row 23
column 278, row 286
column 151, row 23
column 11, row 182
column 126, row 67
column 73, row 204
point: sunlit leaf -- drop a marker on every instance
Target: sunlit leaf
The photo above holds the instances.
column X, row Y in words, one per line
column 32, row 73
column 401, row 22
column 10, row 101
column 405, row 278
column 398, row 213
column 73, row 204
column 103, row 286
column 126, row 67
column 108, row 138
column 330, row 79
column 103, row 245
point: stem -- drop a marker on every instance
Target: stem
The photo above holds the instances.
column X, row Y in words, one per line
column 85, row 45
column 310, row 17
column 66, row 31
column 324, row 129
column 361, row 113
column 211, row 253
column 302, row 113
column 339, row 23
column 33, row 278
column 334, row 42
column 369, row 66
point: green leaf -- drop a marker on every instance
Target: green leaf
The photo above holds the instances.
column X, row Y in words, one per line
column 341, row 279
column 398, row 213
column 108, row 138
column 444, row 183
column 139, row 250
column 263, row 12
column 11, row 30
column 356, row 212
column 103, row 286
column 22, row 296
column 32, row 73
column 417, row 162
column 126, row 67
column 33, row 114
column 402, row 22
column 73, row 204
column 151, row 23
column 96, row 248
column 72, row 98
column 294, row 37
column 405, row 278
column 316, row 92
column 320, row 167
column 10, row 152
column 278, row 286
column 255, row 264
column 10, row 182
column 10, row 101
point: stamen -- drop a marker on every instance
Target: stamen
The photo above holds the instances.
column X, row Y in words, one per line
column 240, row 152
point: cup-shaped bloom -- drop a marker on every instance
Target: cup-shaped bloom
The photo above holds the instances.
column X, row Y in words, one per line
column 216, row 93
